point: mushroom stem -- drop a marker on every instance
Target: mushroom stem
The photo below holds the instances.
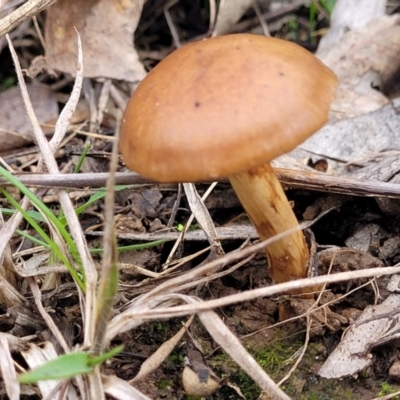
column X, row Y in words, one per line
column 266, row 204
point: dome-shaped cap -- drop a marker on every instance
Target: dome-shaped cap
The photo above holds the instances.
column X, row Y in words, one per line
column 220, row 106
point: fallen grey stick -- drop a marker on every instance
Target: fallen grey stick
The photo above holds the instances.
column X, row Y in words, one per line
column 235, row 232
column 27, row 10
column 294, row 179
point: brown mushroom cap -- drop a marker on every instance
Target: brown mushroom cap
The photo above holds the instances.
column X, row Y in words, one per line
column 220, row 106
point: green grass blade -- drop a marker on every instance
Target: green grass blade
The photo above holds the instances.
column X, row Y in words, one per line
column 328, row 5
column 135, row 247
column 66, row 366
column 52, row 218
column 95, row 360
column 46, row 211
column 98, row 195
column 63, row 367
column 53, row 246
column 82, row 157
column 33, row 239
column 34, row 214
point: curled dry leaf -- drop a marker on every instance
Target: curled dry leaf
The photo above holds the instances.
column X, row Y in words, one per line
column 15, row 128
column 120, row 389
column 106, row 28
column 7, row 369
column 377, row 324
column 364, row 59
column 354, row 139
column 363, row 49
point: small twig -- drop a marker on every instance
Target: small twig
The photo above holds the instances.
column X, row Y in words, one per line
column 89, row 93
column 261, row 18
column 312, row 309
column 291, row 178
column 213, row 15
column 175, row 207
column 171, row 25
column 308, row 312
column 39, row 32
column 184, row 260
column 102, row 103
column 215, row 275
column 301, row 355
column 190, row 278
column 268, row 16
column 5, row 165
column 190, row 220
column 388, row 396
column 117, row 97
column 247, row 295
column 200, row 212
column 27, row 10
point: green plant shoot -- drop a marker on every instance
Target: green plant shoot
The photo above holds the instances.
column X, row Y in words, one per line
column 67, row 366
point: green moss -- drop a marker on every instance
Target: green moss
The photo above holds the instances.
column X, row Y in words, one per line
column 164, row 384
column 7, row 83
column 349, row 394
column 176, row 358
column 275, row 359
column 247, row 386
column 313, row 396
column 159, row 327
column 386, row 389
column 304, row 384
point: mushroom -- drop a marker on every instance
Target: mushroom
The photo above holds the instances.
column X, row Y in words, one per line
column 225, row 107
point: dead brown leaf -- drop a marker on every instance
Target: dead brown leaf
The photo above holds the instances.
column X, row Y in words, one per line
column 15, row 128
column 377, row 324
column 106, row 28
column 365, row 59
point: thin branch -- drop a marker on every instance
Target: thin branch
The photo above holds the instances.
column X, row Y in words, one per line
column 291, row 178
column 27, row 10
